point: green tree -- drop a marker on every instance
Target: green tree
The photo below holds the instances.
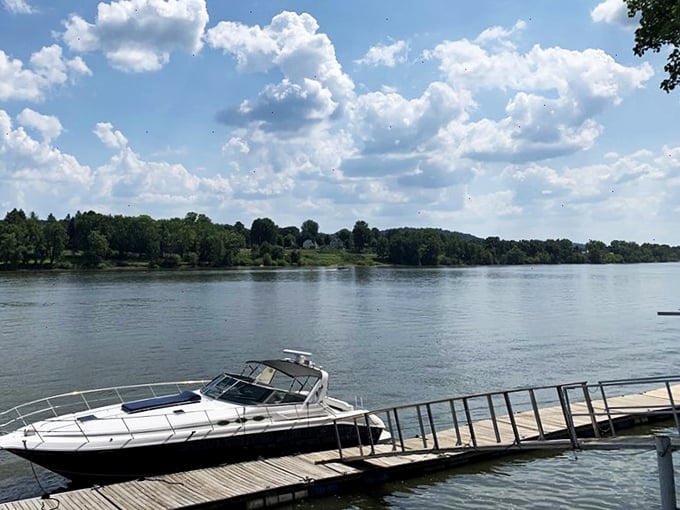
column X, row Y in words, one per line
column 55, row 238
column 346, row 237
column 35, row 240
column 15, row 217
column 361, row 235
column 659, row 28
column 309, row 230
column 596, row 252
column 515, row 256
column 263, row 230
column 431, row 248
column 97, row 248
column 11, row 249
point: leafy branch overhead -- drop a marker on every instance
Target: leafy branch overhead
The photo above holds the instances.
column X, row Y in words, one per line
column 659, row 27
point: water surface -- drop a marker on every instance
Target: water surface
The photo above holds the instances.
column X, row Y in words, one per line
column 386, row 335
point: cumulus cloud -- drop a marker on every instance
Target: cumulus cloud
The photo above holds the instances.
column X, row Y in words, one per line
column 47, row 68
column 388, row 55
column 558, row 94
column 47, row 125
column 33, row 171
column 129, row 179
column 139, row 35
column 613, row 12
column 418, row 153
column 284, row 106
column 110, row 137
column 313, row 85
column 388, row 122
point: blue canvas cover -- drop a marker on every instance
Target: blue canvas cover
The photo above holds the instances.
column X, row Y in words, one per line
column 185, row 397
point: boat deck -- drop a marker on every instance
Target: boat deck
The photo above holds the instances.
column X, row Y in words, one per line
column 270, row 482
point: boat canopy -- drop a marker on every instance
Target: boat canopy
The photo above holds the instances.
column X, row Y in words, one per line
column 290, row 368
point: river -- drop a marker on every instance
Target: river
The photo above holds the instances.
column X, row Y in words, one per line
column 386, row 335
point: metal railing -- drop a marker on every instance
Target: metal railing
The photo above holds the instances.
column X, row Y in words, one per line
column 610, row 408
column 516, row 418
column 57, row 406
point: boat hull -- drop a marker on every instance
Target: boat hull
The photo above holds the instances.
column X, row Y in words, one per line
column 136, row 462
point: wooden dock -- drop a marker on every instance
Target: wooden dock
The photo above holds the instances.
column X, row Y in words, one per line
column 425, row 437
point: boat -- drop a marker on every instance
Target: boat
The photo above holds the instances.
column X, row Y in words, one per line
column 271, row 408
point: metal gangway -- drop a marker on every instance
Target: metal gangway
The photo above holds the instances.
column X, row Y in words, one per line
column 538, row 417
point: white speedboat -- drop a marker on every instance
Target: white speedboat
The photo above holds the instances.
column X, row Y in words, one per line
column 273, row 407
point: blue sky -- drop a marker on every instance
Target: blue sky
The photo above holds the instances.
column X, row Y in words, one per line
column 523, row 120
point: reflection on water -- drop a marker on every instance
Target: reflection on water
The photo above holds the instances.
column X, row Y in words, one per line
column 386, row 335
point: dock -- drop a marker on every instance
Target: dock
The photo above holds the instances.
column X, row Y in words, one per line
column 426, row 436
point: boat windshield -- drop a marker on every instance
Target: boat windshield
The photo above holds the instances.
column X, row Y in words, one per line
column 261, row 384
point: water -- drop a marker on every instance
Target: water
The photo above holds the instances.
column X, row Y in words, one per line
column 388, row 336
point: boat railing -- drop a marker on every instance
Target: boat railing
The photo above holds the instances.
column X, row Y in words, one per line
column 77, row 401
column 522, row 417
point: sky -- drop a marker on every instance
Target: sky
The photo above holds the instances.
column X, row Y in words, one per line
column 523, row 120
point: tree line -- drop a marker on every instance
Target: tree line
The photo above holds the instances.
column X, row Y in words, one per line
column 91, row 239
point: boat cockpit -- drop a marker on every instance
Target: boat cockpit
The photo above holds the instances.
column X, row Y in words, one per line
column 268, row 382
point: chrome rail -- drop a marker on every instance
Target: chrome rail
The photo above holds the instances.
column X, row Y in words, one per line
column 77, row 401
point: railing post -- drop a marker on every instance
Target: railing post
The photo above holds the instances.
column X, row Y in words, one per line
column 358, row 431
column 422, row 428
column 401, row 437
column 337, row 437
column 87, row 404
column 54, row 411
column 370, row 434
column 664, row 457
column 492, row 414
column 432, row 427
column 607, row 410
column 537, row 414
column 566, row 411
column 452, row 404
column 513, row 423
column 591, row 410
column 468, row 417
column 389, row 426
column 673, row 409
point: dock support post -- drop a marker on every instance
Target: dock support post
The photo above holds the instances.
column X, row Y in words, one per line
column 664, row 457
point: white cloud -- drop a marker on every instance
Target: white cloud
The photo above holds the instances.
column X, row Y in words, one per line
column 313, row 81
column 47, row 125
column 284, row 106
column 613, row 12
column 418, row 152
column 558, row 95
column 254, row 48
column 109, row 137
column 18, row 6
column 387, row 122
column 47, row 68
column 237, row 144
column 140, row 35
column 385, row 55
column 129, row 180
column 500, row 36
column 35, row 172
